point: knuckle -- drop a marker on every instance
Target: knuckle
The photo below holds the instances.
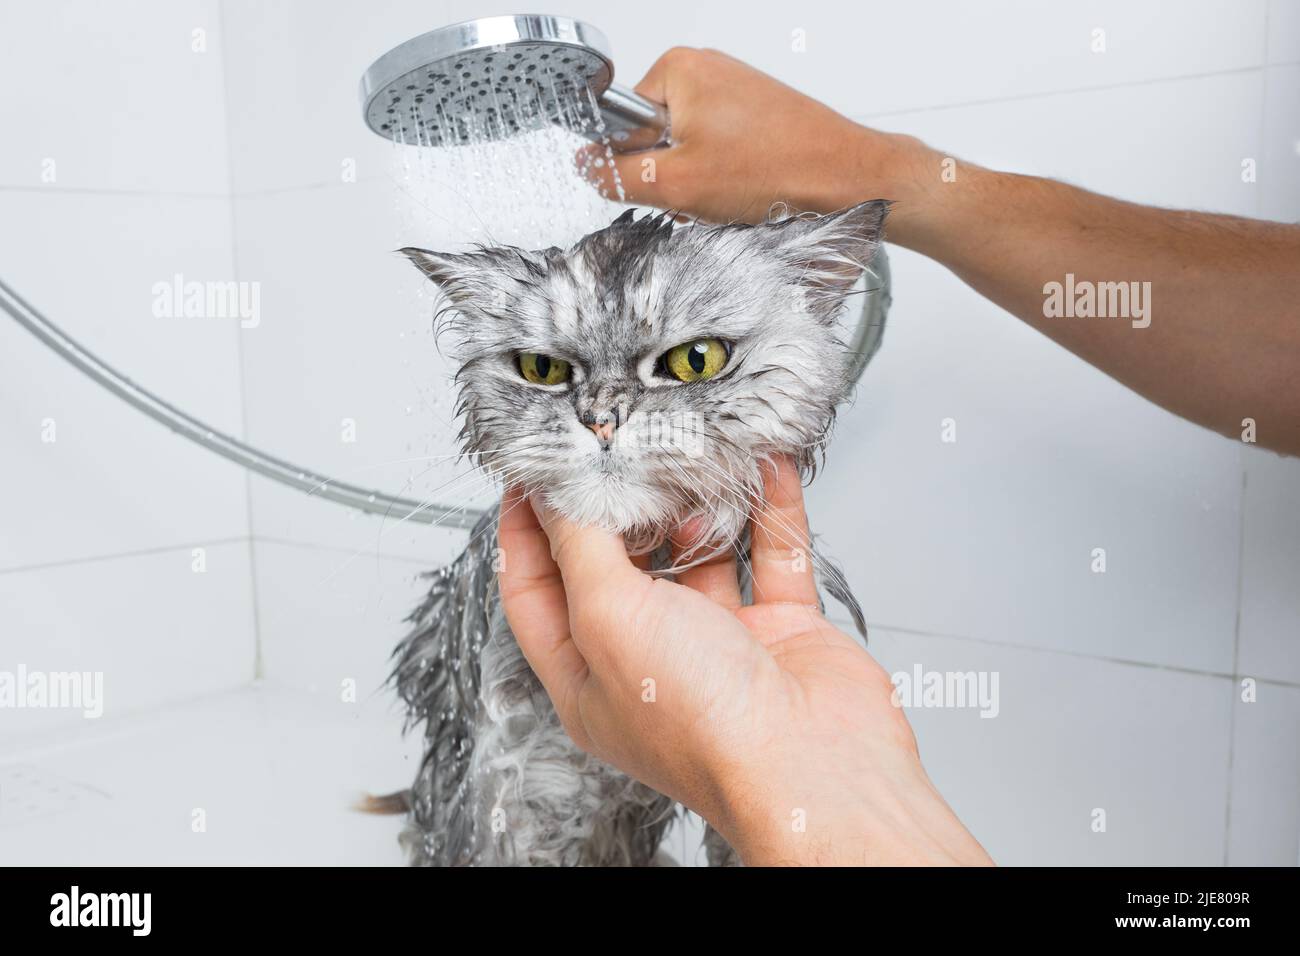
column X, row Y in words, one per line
column 679, row 56
column 899, row 734
column 561, row 539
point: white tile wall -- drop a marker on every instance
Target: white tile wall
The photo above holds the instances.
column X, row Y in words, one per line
column 1269, row 626
column 881, row 55
column 1072, row 735
column 345, row 351
column 1119, row 691
column 331, row 616
column 114, row 177
column 1106, row 140
column 1262, row 825
column 158, row 630
column 992, row 536
column 117, row 96
column 1280, row 164
column 113, row 481
column 295, row 75
column 1283, row 31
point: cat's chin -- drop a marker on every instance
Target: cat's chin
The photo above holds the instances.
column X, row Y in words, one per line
column 618, row 506
column 644, row 517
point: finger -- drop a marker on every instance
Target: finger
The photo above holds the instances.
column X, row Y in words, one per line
column 714, row 577
column 654, row 85
column 602, row 586
column 780, row 549
column 590, row 559
column 532, row 596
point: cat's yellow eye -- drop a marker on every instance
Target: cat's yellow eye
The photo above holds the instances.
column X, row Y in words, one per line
column 542, row 369
column 695, row 361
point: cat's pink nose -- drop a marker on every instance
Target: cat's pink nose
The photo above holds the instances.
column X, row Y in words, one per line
column 604, row 431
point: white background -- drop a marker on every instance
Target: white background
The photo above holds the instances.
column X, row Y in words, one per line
column 1118, row 691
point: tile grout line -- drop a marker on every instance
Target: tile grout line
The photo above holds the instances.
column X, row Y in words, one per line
column 270, row 191
column 1191, row 671
column 224, row 40
column 339, row 549
column 1260, row 147
column 1236, row 656
column 183, row 194
column 98, row 191
column 1261, row 141
column 138, row 553
column 1050, row 94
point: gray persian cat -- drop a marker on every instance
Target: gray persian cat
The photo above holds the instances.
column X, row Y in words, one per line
column 634, row 380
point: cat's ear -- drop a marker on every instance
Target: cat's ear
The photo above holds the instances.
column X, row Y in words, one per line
column 828, row 253
column 486, row 279
column 458, row 275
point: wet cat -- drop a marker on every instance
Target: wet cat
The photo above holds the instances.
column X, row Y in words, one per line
column 634, row 380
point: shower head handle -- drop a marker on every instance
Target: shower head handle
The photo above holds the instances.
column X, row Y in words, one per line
column 489, row 78
column 632, row 122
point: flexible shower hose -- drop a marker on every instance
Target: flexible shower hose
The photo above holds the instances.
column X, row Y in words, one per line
column 304, row 479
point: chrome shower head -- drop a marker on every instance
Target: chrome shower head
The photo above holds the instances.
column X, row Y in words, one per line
column 491, row 78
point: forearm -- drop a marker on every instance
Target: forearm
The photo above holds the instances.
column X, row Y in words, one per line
column 829, row 814
column 1209, row 323
column 1210, row 331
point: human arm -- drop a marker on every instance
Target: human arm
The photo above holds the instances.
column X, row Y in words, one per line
column 1220, row 340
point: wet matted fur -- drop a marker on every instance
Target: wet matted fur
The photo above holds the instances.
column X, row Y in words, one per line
column 500, row 782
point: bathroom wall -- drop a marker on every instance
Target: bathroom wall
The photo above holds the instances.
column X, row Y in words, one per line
column 1119, row 691
column 123, row 550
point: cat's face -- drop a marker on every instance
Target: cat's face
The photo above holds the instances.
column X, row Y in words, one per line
column 639, row 378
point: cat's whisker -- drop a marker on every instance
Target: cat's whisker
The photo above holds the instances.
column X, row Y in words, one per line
column 826, row 570
column 818, row 563
column 778, row 520
column 492, row 526
column 373, row 466
column 739, row 553
column 679, row 567
column 429, row 502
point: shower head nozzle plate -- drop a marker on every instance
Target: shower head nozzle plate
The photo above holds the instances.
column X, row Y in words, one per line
column 485, row 79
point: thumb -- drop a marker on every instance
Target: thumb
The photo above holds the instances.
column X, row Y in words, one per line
column 591, row 560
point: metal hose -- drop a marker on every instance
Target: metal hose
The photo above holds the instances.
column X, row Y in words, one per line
column 228, row 447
